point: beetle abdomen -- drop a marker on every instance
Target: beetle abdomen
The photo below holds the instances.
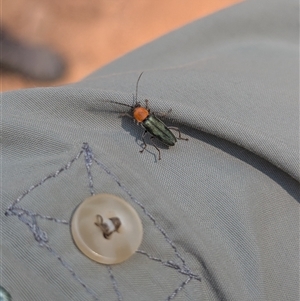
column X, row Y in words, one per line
column 159, row 130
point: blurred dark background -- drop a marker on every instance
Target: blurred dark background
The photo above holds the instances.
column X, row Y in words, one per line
column 54, row 42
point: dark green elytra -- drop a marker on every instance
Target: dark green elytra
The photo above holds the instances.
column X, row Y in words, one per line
column 159, row 130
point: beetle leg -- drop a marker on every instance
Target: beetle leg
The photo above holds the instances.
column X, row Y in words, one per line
column 145, row 145
column 143, row 139
column 179, row 133
column 163, row 114
column 159, row 157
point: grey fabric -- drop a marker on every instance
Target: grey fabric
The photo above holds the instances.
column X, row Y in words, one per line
column 228, row 199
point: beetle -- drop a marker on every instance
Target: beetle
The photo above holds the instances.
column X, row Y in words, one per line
column 151, row 123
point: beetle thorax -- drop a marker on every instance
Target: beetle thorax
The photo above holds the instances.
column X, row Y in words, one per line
column 140, row 114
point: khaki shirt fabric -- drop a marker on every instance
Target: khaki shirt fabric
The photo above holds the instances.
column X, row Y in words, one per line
column 220, row 211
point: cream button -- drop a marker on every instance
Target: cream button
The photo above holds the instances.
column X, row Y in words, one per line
column 106, row 229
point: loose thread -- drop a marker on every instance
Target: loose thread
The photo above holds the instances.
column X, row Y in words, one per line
column 114, row 282
column 172, row 265
column 72, row 272
column 39, row 235
column 183, row 284
column 88, row 155
column 54, row 175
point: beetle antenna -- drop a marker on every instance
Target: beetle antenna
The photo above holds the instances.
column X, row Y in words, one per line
column 119, row 103
column 137, row 85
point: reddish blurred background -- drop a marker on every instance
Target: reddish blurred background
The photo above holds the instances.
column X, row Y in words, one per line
column 90, row 34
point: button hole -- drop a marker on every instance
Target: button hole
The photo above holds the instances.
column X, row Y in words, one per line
column 108, row 226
